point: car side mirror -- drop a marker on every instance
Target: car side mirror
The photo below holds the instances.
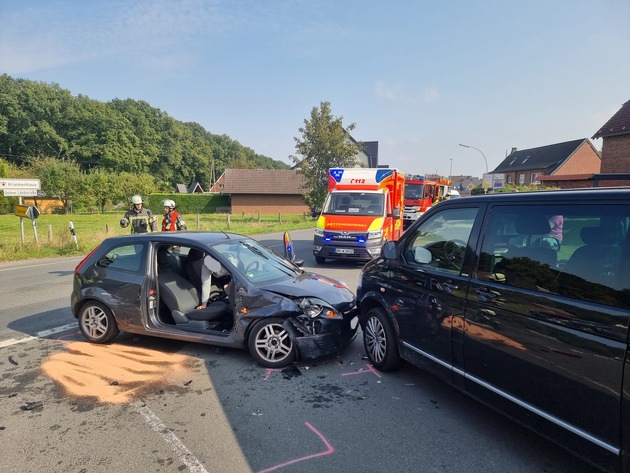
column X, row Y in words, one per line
column 289, row 252
column 389, row 250
column 422, row 255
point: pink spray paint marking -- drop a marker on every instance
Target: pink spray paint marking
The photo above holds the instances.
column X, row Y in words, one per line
column 328, row 451
column 269, row 371
column 369, row 370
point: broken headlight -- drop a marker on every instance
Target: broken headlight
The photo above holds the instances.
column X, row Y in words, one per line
column 312, row 308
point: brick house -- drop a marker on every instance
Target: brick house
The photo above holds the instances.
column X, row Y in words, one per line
column 564, row 165
column 615, row 135
column 267, row 191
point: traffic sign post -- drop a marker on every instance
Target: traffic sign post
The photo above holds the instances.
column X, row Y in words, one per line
column 27, row 211
column 23, row 188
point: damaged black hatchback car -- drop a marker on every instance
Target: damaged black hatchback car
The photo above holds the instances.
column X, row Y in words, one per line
column 217, row 288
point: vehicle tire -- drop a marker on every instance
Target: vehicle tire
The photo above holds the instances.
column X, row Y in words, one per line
column 380, row 341
column 97, row 323
column 270, row 345
column 320, row 259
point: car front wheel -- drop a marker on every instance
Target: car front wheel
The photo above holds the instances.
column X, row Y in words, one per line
column 270, row 344
column 380, row 341
column 97, row 323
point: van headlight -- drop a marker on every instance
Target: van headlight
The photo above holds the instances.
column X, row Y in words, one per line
column 375, row 234
column 312, row 308
column 319, row 232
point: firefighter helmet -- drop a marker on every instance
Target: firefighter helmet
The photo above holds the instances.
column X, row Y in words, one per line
column 136, row 199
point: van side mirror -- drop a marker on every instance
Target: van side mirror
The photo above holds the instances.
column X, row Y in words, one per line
column 389, row 250
column 397, row 213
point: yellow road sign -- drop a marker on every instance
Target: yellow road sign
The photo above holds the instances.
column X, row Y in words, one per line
column 22, row 211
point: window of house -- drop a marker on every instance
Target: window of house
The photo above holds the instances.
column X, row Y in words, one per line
column 534, row 178
column 509, row 178
column 521, row 179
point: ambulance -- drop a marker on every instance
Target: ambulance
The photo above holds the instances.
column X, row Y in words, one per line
column 362, row 210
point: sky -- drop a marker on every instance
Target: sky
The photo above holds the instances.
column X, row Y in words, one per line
column 420, row 77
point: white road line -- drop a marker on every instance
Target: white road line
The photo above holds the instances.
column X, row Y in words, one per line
column 38, row 335
column 34, row 265
column 185, row 455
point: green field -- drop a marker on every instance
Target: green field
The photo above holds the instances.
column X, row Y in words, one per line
column 55, row 238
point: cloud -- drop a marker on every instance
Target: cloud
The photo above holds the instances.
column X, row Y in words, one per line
column 56, row 34
column 430, row 95
column 389, row 92
column 397, row 92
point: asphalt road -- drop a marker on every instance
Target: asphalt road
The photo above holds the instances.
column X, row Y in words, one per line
column 145, row 404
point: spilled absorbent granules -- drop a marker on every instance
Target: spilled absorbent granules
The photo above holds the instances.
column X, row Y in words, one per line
column 112, row 373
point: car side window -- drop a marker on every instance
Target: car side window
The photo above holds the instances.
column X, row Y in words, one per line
column 442, row 240
column 125, row 258
column 577, row 251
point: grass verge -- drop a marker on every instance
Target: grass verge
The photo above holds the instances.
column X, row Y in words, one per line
column 55, row 239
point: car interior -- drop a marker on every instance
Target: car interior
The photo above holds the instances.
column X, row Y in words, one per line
column 179, row 286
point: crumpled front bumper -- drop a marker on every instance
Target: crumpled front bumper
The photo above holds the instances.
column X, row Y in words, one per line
column 322, row 344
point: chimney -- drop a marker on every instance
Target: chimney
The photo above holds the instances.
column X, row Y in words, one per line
column 513, row 151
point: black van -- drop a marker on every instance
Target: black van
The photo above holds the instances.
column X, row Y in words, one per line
column 521, row 300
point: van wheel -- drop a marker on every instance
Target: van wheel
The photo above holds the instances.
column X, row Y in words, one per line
column 380, row 341
column 270, row 345
column 320, row 259
column 97, row 323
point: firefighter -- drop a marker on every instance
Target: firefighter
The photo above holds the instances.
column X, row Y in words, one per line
column 141, row 219
column 172, row 219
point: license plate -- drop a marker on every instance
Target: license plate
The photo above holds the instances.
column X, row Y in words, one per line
column 344, row 251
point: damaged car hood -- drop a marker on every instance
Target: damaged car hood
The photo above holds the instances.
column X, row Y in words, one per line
column 308, row 284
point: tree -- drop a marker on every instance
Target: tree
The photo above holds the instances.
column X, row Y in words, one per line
column 60, row 178
column 325, row 144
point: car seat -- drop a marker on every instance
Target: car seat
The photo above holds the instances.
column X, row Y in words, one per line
column 181, row 298
column 598, row 259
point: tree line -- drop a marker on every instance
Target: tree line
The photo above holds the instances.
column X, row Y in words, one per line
column 108, row 149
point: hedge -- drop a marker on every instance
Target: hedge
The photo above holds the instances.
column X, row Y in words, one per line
column 188, row 203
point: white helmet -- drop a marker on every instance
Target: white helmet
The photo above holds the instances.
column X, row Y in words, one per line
column 169, row 203
column 136, row 199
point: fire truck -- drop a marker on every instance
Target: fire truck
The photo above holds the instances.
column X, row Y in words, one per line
column 420, row 194
column 362, row 210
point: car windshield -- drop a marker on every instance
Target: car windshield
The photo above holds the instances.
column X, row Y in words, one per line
column 355, row 203
column 414, row 191
column 256, row 262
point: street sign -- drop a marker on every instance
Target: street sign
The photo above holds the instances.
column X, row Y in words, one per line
column 21, row 211
column 27, row 211
column 32, row 212
column 19, row 183
column 20, row 192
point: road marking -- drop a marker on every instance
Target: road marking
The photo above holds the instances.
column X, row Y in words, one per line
column 185, row 455
column 38, row 335
column 369, row 370
column 34, row 265
column 328, row 451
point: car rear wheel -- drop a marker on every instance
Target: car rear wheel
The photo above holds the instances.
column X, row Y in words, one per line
column 97, row 323
column 380, row 341
column 270, row 345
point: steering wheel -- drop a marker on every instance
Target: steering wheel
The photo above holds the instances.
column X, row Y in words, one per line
column 454, row 252
column 252, row 265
